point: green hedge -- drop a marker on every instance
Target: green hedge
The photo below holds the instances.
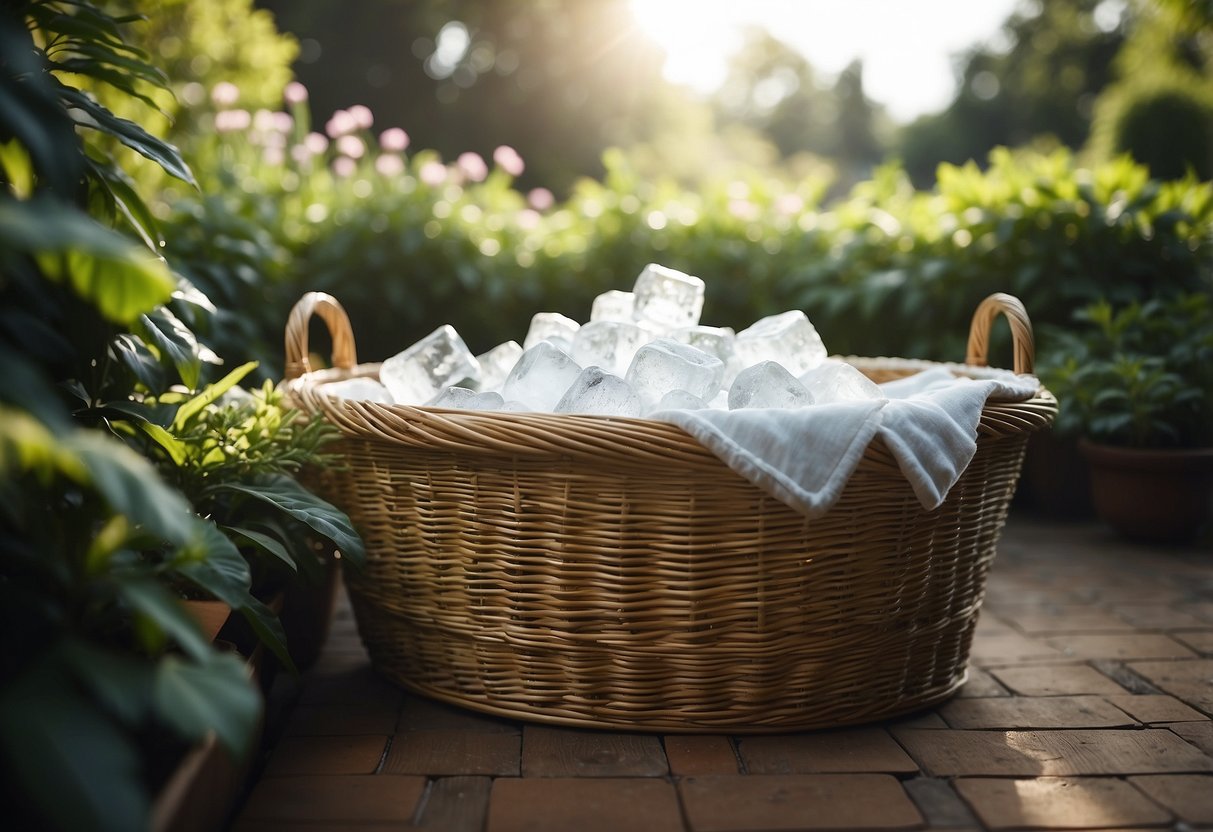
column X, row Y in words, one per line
column 886, row 270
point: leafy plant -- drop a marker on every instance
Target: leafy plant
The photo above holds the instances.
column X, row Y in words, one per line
column 1139, row 376
column 100, row 666
column 234, row 454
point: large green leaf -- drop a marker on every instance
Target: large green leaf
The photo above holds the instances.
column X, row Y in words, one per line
column 215, row 695
column 221, row 570
column 131, row 486
column 214, row 564
column 121, row 279
column 324, row 518
column 73, row 762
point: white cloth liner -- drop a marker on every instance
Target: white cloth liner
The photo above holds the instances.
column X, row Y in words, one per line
column 805, row 456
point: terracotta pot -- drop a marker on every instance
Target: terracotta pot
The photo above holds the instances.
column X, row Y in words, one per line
column 1152, row 495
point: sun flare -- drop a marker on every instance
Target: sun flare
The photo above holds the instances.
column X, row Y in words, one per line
column 906, row 48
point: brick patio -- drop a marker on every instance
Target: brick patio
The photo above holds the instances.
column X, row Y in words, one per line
column 1088, row 707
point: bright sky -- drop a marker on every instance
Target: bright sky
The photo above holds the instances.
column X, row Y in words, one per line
column 906, row 45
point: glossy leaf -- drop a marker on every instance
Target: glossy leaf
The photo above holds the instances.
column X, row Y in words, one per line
column 166, row 332
column 89, row 113
column 322, row 517
column 266, row 543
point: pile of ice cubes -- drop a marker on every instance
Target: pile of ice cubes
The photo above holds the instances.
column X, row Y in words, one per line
column 640, row 352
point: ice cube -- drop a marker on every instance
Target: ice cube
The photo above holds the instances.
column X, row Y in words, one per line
column 600, row 392
column 541, row 377
column 613, row 305
column 551, row 326
column 608, row 344
column 667, row 298
column 664, row 365
column 680, row 400
column 837, row 381
column 496, row 364
column 788, row 338
column 464, row 398
column 714, row 340
column 438, row 360
column 720, row 401
column 767, row 384
column 358, row 389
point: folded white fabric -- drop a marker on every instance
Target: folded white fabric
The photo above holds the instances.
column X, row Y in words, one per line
column 805, row 456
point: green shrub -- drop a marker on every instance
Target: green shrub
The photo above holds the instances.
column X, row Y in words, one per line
column 1166, row 126
column 407, row 241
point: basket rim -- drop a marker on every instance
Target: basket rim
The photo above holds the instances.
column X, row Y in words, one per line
column 647, row 441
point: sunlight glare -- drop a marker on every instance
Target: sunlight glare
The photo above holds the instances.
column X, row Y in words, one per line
column 907, row 48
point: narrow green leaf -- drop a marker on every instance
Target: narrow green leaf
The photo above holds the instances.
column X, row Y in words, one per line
column 132, row 353
column 324, row 518
column 215, row 695
column 171, row 444
column 213, row 391
column 89, row 113
column 266, row 543
column 128, row 202
column 269, row 629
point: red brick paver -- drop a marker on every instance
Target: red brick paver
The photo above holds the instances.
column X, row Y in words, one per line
column 1087, row 706
column 1060, row 803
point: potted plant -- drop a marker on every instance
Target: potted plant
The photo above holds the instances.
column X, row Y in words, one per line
column 235, row 455
column 1136, row 386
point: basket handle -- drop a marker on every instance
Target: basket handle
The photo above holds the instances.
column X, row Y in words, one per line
column 332, row 313
column 1022, row 341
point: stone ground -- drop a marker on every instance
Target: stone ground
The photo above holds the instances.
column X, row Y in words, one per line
column 1088, row 707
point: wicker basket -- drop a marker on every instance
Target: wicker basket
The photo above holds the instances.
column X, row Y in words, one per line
column 612, row 573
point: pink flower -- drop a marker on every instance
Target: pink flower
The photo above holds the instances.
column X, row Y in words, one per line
column 344, row 166
column 301, row 153
column 743, row 209
column 316, row 143
column 508, row 160
column 225, row 94
column 263, row 120
column 341, row 123
column 432, row 173
column 351, row 146
column 389, row 165
column 528, row 219
column 229, row 121
column 273, row 156
column 283, row 122
column 394, row 140
column 788, row 204
column 295, row 93
column 472, row 166
column 541, row 199
column 362, row 116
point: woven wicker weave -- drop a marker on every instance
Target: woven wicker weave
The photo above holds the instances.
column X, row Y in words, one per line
column 611, row 572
